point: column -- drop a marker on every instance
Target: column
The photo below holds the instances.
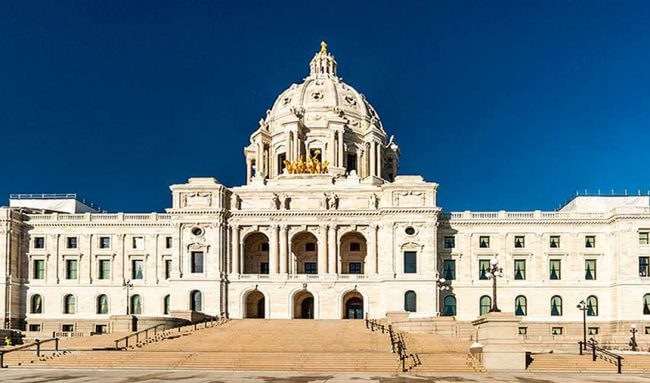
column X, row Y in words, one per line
column 273, row 250
column 322, row 250
column 283, row 249
column 380, row 159
column 373, row 159
column 340, row 152
column 372, row 251
column 332, row 253
column 248, row 170
column 235, row 249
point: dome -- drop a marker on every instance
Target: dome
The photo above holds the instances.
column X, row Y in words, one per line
column 323, row 119
column 321, row 94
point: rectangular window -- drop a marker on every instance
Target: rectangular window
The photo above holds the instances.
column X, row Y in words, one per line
column 557, row 330
column 197, row 262
column 310, row 246
column 410, row 262
column 590, row 269
column 520, row 269
column 644, row 266
column 168, row 242
column 520, row 241
column 101, row 329
column 39, row 269
column 39, row 242
column 137, row 269
column 264, row 267
column 71, row 269
column 104, row 242
column 590, row 241
column 104, row 269
column 138, row 243
column 592, row 331
column 355, row 246
column 647, row 330
column 449, row 269
column 483, row 268
column 354, row 268
column 168, row 268
column 67, row 327
column 35, row 327
column 523, row 330
column 484, row 242
column 554, row 242
column 281, row 158
column 449, row 242
column 71, row 242
column 351, row 163
column 644, row 238
column 310, row 268
column 555, row 269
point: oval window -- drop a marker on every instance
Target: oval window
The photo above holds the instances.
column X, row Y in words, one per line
column 410, row 230
column 197, row 231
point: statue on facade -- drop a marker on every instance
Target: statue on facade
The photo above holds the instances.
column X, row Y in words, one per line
column 332, row 201
column 374, row 201
column 284, row 201
column 235, row 202
column 310, row 166
column 276, row 201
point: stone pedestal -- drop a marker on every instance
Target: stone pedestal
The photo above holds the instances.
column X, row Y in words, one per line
column 123, row 323
column 497, row 342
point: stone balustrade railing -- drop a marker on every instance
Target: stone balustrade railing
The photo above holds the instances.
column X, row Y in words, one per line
column 90, row 217
column 537, row 214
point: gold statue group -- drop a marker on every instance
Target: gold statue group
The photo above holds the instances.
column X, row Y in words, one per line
column 311, row 166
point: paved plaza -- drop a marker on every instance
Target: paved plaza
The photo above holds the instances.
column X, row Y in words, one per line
column 187, row 376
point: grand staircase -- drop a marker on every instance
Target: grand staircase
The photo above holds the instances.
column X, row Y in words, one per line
column 276, row 345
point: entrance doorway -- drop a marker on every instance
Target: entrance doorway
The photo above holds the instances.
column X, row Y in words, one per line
column 255, row 305
column 353, row 305
column 303, row 305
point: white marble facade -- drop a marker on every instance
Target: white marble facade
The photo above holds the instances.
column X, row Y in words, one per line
column 359, row 239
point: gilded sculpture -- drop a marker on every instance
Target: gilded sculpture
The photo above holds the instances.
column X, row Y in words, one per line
column 311, row 166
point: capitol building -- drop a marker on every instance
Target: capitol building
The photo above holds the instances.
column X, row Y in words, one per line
column 325, row 227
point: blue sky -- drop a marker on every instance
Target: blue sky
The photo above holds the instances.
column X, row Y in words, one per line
column 506, row 104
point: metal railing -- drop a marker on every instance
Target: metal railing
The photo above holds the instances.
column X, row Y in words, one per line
column 599, row 352
column 153, row 331
column 397, row 344
column 36, row 343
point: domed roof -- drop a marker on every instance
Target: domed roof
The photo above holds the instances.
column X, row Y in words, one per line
column 323, row 94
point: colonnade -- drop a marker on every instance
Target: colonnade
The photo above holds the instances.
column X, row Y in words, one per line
column 329, row 257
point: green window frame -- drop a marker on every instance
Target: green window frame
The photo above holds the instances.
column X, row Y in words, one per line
column 39, row 269
column 449, row 303
column 483, row 268
column 556, row 306
column 449, row 269
column 521, row 306
column 71, row 269
column 592, row 306
column 520, row 269
column 555, row 269
column 104, row 269
column 590, row 269
column 485, row 304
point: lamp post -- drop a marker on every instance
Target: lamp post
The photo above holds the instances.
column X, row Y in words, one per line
column 441, row 285
column 633, row 331
column 582, row 306
column 128, row 285
column 493, row 273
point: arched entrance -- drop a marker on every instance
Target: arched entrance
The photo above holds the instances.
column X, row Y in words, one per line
column 256, row 254
column 353, row 305
column 255, row 305
column 353, row 252
column 303, row 305
column 304, row 249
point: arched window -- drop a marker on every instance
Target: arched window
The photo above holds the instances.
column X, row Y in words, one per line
column 166, row 301
column 521, row 305
column 102, row 304
column 69, row 304
column 136, row 304
column 556, row 306
column 410, row 301
column 196, row 301
column 646, row 304
column 485, row 304
column 449, row 306
column 592, row 306
column 37, row 304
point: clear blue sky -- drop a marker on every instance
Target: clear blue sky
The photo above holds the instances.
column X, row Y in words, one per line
column 506, row 104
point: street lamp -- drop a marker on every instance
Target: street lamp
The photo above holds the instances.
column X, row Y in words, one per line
column 128, row 285
column 493, row 273
column 582, row 306
column 633, row 331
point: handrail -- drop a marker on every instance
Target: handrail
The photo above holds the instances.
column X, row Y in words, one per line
column 600, row 352
column 137, row 335
column 397, row 343
column 36, row 343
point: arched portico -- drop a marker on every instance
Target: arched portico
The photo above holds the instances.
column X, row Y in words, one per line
column 256, row 253
column 352, row 305
column 304, row 253
column 254, row 304
column 303, row 305
column 353, row 252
